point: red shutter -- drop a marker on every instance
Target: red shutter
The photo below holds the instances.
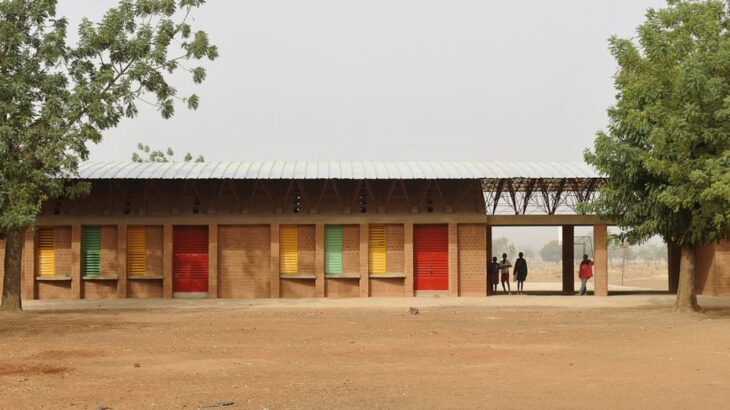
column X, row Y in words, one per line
column 190, row 260
column 431, row 257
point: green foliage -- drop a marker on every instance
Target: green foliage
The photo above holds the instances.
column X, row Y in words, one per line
column 667, row 146
column 56, row 98
column 552, row 252
column 503, row 245
column 145, row 154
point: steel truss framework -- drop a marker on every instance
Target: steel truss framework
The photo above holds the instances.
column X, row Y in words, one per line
column 538, row 196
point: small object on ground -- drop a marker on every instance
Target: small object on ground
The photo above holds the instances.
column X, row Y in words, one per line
column 102, row 407
column 137, row 365
column 224, row 403
column 413, row 311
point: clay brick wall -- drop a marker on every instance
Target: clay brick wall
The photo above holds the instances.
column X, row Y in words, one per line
column 297, row 288
column 154, row 250
column 472, row 260
column 143, row 289
column 350, row 249
column 305, row 244
column 54, row 290
column 99, row 289
column 343, row 288
column 63, row 250
column 244, row 255
column 380, row 287
column 713, row 269
column 109, row 250
column 394, row 240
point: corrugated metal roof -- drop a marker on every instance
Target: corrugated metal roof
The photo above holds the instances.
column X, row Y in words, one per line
column 335, row 170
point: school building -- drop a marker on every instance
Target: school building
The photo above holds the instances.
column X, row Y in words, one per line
column 275, row 229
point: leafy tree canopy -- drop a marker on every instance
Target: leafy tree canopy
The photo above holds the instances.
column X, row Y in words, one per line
column 145, row 154
column 667, row 146
column 55, row 97
column 552, row 252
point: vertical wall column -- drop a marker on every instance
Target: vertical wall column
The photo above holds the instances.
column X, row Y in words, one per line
column 453, row 259
column 27, row 287
column 213, row 261
column 490, row 253
column 121, row 261
column 674, row 254
column 76, row 261
column 568, row 259
column 600, row 260
column 320, row 281
column 408, row 259
column 274, row 260
column 167, row 261
column 364, row 265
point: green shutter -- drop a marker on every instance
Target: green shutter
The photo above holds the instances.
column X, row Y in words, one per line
column 91, row 251
column 333, row 249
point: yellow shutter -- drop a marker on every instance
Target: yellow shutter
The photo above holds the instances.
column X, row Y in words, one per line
column 288, row 250
column 376, row 249
column 136, row 251
column 46, row 251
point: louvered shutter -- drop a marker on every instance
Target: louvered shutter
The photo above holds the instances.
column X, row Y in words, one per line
column 91, row 251
column 431, row 257
column 288, row 250
column 190, row 259
column 376, row 250
column 333, row 249
column 136, row 251
column 46, row 251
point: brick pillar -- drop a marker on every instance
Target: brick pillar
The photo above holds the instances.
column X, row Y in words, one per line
column 408, row 258
column 274, row 260
column 674, row 254
column 27, row 287
column 167, row 261
column 600, row 260
column 364, row 256
column 213, row 261
column 121, row 261
column 320, row 282
column 568, row 259
column 76, row 261
column 453, row 259
column 489, row 258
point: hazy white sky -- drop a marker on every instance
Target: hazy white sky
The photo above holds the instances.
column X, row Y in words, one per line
column 392, row 79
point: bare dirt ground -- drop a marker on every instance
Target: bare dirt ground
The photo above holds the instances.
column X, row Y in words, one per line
column 460, row 356
column 638, row 274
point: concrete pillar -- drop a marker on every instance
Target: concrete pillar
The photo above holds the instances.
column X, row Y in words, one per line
column 76, row 261
column 408, row 258
column 121, row 261
column 167, row 261
column 568, row 259
column 213, row 261
column 600, row 260
column 274, row 260
column 364, row 261
column 27, row 287
column 674, row 254
column 453, row 259
column 321, row 281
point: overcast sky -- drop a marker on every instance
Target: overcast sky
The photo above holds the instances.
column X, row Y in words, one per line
column 392, row 79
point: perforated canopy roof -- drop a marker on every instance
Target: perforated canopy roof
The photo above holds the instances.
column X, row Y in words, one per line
column 335, row 170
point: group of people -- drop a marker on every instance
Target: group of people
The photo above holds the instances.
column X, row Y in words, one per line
column 499, row 272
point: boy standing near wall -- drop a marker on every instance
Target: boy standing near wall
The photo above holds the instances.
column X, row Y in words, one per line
column 493, row 275
column 504, row 267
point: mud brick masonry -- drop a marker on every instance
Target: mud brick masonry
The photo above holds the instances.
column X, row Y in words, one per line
column 310, row 229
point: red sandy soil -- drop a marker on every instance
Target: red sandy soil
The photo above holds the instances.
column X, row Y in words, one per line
column 444, row 357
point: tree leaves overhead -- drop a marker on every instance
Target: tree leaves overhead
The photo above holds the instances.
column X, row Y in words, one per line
column 667, row 146
column 56, row 97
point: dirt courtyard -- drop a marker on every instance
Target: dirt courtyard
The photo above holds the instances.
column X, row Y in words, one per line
column 461, row 356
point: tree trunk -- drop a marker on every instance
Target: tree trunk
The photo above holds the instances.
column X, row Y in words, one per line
column 11, row 283
column 686, row 291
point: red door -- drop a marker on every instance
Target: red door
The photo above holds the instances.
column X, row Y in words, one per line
column 190, row 259
column 431, row 257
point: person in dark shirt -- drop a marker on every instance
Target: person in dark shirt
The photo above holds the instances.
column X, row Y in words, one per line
column 520, row 273
column 493, row 275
